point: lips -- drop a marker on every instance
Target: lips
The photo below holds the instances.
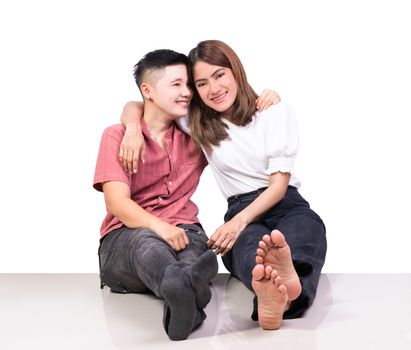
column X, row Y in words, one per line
column 183, row 103
column 220, row 98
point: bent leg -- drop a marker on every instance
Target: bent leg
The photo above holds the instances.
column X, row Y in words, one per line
column 304, row 232
column 202, row 261
column 134, row 260
column 240, row 261
column 275, row 252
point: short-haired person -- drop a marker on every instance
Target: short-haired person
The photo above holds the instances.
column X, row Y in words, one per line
column 272, row 241
column 151, row 238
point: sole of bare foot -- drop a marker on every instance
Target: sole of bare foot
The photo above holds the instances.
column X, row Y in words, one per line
column 271, row 295
column 274, row 251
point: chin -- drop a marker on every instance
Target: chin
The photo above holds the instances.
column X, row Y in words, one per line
column 220, row 109
column 180, row 114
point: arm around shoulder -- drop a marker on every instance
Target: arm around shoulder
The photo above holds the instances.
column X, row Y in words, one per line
column 132, row 145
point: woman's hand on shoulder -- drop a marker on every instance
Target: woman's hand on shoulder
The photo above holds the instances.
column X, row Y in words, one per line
column 132, row 148
column 267, row 99
column 132, row 145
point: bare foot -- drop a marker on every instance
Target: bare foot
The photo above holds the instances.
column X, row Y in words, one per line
column 272, row 296
column 274, row 251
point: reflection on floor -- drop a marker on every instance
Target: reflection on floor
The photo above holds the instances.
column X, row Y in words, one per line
column 69, row 311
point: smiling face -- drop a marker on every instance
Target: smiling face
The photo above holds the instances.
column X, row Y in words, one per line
column 216, row 86
column 167, row 90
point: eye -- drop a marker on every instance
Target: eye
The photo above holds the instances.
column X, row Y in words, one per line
column 176, row 84
column 220, row 75
column 199, row 85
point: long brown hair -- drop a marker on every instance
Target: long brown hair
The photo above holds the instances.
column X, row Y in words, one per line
column 206, row 124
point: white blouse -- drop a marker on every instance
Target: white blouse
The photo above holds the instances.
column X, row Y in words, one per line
column 244, row 161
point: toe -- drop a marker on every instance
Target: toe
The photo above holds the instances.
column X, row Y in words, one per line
column 268, row 271
column 258, row 272
column 282, row 289
column 278, row 281
column 267, row 240
column 261, row 252
column 277, row 238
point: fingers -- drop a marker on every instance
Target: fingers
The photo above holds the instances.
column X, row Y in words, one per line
column 228, row 248
column 212, row 241
column 267, row 99
column 180, row 241
column 223, row 244
column 183, row 239
column 215, row 240
column 129, row 160
column 136, row 158
column 262, row 100
column 121, row 154
column 125, row 156
column 129, row 157
column 186, row 240
column 125, row 160
column 137, row 154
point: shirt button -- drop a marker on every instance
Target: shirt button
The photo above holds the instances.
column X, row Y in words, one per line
column 160, row 199
column 170, row 183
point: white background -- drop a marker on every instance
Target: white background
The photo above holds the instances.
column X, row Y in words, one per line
column 66, row 72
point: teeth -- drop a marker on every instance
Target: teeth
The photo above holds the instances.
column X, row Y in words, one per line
column 219, row 98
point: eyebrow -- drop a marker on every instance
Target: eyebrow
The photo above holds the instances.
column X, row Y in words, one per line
column 176, row 80
column 212, row 75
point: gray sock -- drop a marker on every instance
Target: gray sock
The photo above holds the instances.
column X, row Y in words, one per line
column 200, row 317
column 201, row 273
column 180, row 311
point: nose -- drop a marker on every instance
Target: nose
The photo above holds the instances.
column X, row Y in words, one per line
column 186, row 91
column 213, row 87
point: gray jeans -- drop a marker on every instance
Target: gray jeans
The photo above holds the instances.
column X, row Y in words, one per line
column 134, row 260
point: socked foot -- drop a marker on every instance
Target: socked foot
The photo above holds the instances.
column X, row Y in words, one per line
column 274, row 251
column 200, row 274
column 180, row 311
column 271, row 295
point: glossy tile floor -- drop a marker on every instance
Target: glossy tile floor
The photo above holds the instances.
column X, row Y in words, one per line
column 69, row 311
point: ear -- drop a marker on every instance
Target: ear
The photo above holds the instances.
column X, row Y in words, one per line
column 146, row 91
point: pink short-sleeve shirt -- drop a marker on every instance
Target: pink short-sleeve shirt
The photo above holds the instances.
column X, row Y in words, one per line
column 165, row 181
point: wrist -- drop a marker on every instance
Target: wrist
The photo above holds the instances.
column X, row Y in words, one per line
column 154, row 224
column 132, row 128
column 243, row 218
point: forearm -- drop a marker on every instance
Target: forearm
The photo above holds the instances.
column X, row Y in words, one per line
column 131, row 214
column 274, row 193
column 132, row 113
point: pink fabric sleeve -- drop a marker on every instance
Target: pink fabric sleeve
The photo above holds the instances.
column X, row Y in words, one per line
column 108, row 167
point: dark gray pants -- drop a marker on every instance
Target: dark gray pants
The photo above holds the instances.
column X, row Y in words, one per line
column 134, row 260
column 304, row 232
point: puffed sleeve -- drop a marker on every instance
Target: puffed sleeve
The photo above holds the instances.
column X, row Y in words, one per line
column 281, row 140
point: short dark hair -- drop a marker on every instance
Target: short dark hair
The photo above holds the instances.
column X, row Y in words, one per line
column 157, row 59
